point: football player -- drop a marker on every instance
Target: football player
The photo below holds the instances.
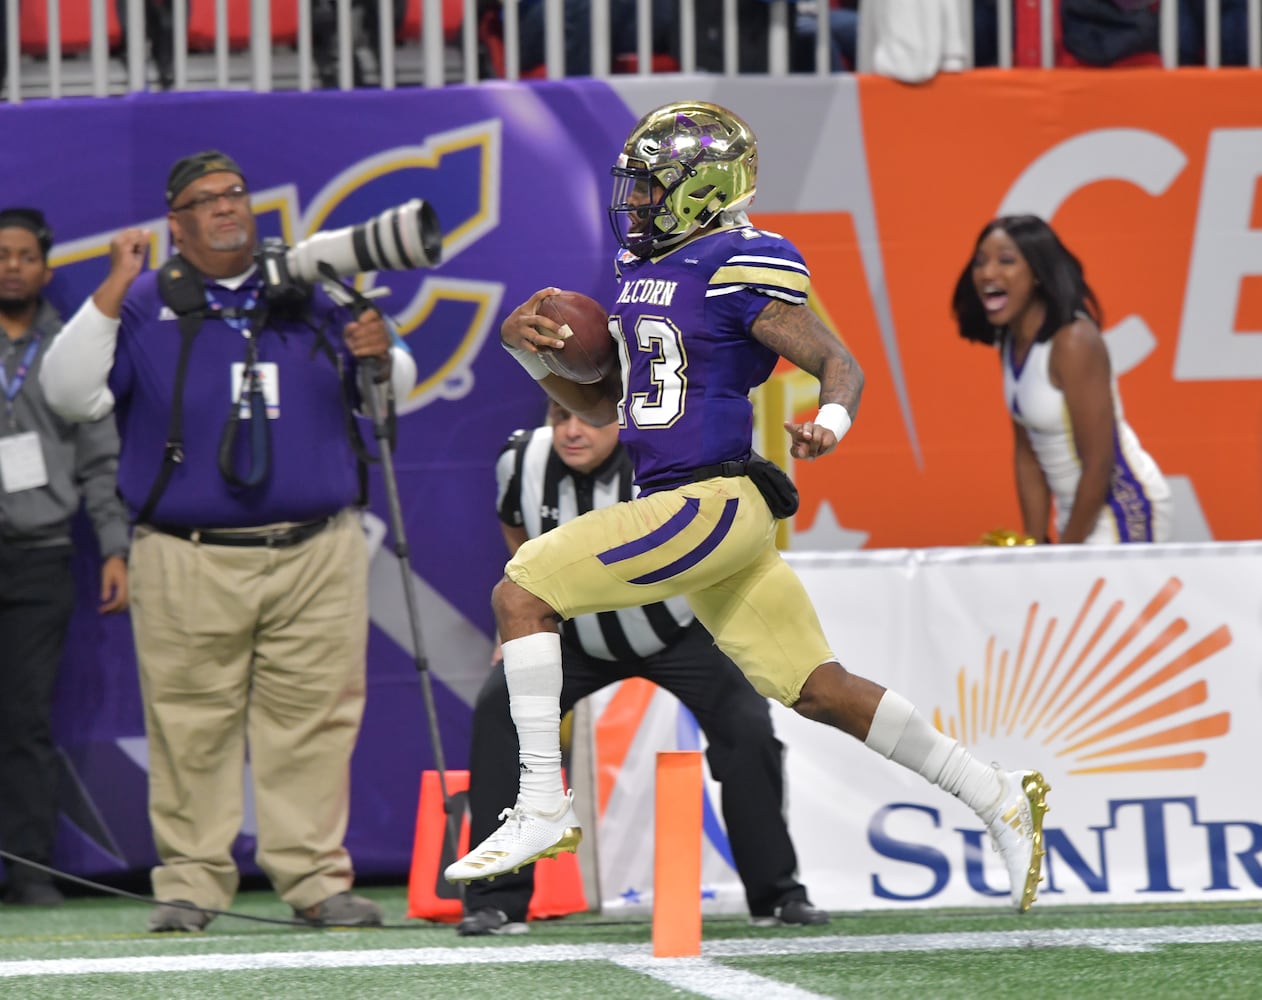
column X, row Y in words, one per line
column 704, row 307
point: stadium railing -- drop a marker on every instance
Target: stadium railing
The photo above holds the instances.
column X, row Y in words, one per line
column 57, row 48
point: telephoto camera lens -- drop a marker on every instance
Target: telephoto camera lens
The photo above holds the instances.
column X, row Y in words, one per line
column 400, row 238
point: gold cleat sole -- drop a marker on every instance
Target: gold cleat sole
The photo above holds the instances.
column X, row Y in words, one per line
column 1035, row 788
column 568, row 844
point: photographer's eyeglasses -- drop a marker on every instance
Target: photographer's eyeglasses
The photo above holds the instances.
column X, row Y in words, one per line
column 235, row 195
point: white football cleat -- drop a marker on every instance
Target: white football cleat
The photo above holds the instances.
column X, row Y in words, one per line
column 524, row 838
column 1016, row 830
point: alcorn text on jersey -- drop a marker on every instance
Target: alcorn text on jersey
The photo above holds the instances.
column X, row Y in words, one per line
column 688, row 359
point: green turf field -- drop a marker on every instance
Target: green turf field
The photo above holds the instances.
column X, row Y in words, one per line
column 96, row 947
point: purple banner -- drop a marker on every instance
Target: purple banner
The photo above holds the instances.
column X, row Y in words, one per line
column 518, row 175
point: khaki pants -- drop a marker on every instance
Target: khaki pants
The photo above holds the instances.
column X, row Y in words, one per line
column 252, row 648
column 714, row 542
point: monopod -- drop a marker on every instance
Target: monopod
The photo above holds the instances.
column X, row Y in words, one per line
column 378, row 410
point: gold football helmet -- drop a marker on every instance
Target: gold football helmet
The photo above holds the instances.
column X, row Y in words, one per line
column 681, row 166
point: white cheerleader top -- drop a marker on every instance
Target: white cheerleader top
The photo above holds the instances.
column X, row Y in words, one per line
column 1136, row 484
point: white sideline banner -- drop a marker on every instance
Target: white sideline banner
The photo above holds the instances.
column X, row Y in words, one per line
column 1131, row 676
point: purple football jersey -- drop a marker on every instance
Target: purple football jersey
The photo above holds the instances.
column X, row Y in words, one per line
column 688, row 359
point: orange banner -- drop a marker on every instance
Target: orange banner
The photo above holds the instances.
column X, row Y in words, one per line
column 1152, row 178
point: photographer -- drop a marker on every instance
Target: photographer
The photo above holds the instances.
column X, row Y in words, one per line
column 248, row 563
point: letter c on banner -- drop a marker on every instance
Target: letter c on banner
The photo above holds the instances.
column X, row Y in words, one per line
column 1226, row 250
column 1150, row 162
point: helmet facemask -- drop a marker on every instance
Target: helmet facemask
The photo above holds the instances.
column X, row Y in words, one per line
column 681, row 167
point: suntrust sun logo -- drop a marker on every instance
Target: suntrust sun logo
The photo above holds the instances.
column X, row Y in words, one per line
column 1113, row 698
column 1101, row 700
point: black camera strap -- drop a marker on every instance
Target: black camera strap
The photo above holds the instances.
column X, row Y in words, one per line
column 183, row 290
column 249, row 320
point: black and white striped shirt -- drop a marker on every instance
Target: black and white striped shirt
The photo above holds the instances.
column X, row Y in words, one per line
column 538, row 491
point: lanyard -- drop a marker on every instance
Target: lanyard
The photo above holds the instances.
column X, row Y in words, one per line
column 238, row 319
column 260, row 443
column 11, row 389
column 251, row 390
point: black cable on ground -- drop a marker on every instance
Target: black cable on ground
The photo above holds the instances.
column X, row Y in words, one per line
column 138, row 897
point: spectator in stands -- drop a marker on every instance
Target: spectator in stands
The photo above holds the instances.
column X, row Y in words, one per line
column 753, row 25
column 160, row 35
column 546, row 477
column 324, row 39
column 532, row 29
column 753, row 20
column 249, row 562
column 1106, row 32
column 843, row 34
column 1234, row 32
column 985, row 33
column 1023, row 291
column 47, row 466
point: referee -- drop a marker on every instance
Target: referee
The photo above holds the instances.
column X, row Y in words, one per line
column 546, row 477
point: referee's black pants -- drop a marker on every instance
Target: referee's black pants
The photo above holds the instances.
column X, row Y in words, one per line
column 744, row 757
column 36, row 600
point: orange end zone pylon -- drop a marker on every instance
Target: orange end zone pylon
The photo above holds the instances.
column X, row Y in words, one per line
column 677, row 855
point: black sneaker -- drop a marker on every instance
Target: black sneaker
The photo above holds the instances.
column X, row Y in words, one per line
column 178, row 916
column 344, row 909
column 794, row 913
column 489, row 920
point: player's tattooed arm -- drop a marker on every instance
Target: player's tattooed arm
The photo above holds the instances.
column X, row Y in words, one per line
column 796, row 333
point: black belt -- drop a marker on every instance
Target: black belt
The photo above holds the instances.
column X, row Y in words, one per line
column 726, row 470
column 29, row 544
column 277, row 538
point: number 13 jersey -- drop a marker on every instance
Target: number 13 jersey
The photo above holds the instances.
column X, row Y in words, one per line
column 689, row 361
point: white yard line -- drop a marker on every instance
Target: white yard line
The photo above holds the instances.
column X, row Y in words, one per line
column 703, row 976
column 710, row 979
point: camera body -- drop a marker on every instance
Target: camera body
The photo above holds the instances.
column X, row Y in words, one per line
column 280, row 287
column 400, row 238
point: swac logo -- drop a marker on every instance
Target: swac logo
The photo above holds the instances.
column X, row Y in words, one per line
column 1101, row 706
column 458, row 171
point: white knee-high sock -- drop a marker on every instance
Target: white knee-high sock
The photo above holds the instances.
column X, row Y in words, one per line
column 532, row 666
column 906, row 737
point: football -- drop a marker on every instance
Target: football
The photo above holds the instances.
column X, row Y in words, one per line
column 589, row 353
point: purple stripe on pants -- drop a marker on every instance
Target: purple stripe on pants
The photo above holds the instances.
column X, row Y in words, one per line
column 1132, row 510
column 708, row 545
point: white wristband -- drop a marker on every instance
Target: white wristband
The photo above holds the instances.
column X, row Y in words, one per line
column 835, row 417
column 531, row 362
